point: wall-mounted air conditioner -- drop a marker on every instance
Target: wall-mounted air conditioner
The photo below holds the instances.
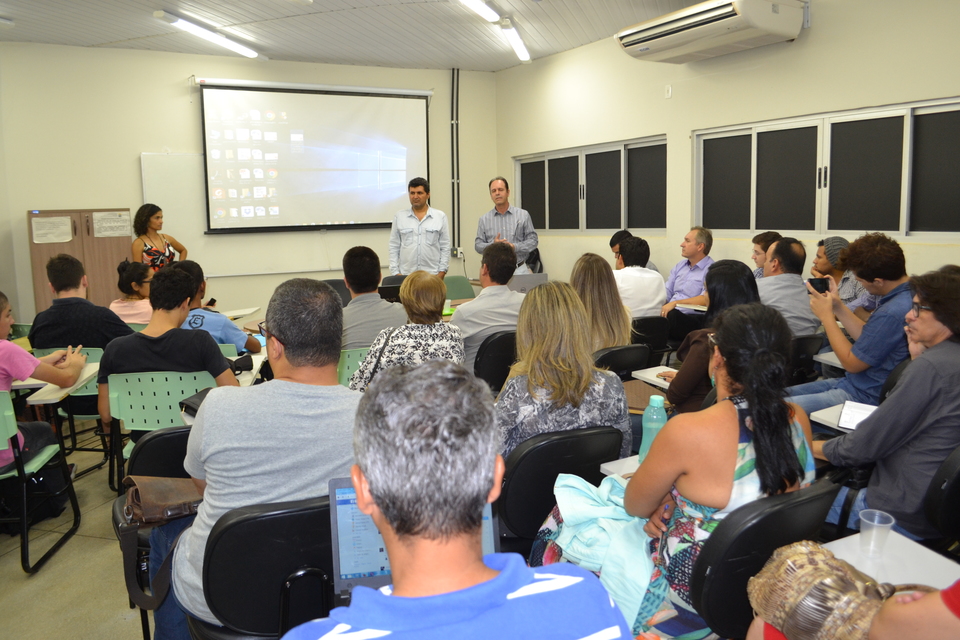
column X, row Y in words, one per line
column 713, row 28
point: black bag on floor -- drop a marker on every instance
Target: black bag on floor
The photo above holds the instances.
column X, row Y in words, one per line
column 40, row 505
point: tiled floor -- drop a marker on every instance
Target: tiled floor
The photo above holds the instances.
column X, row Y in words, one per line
column 79, row 593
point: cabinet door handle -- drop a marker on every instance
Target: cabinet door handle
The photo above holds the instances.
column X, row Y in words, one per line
column 826, row 173
column 87, row 218
column 74, row 228
column 819, row 175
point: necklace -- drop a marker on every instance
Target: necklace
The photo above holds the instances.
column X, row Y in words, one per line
column 735, row 398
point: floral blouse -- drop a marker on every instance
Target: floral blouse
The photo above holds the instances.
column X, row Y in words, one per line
column 411, row 344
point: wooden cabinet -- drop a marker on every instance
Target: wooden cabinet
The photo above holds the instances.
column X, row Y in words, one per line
column 99, row 238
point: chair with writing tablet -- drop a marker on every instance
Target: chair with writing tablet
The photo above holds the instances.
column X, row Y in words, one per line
column 653, row 331
column 392, row 281
column 340, row 287
column 149, row 401
column 51, row 457
column 941, row 505
column 623, row 360
column 458, row 288
column 496, row 355
column 228, row 350
column 802, row 351
column 350, row 361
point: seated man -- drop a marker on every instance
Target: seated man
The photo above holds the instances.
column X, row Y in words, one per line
column 426, row 446
column 277, row 441
column 615, row 240
column 685, row 283
column 496, row 308
column 879, row 345
column 762, row 242
column 163, row 345
column 641, row 289
column 918, row 426
column 782, row 287
column 367, row 314
column 826, row 264
column 222, row 328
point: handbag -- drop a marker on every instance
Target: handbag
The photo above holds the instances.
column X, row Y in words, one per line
column 151, row 502
column 809, row 594
column 376, row 365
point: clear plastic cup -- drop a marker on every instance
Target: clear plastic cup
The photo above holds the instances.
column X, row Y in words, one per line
column 874, row 530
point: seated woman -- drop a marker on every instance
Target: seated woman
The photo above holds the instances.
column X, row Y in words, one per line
column 609, row 321
column 701, row 467
column 134, row 282
column 425, row 338
column 555, row 386
column 61, row 368
column 728, row 283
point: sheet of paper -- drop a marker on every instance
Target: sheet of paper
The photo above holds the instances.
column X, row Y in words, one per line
column 852, row 413
column 111, row 224
column 51, row 230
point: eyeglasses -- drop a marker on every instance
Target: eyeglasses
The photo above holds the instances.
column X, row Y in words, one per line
column 262, row 326
column 916, row 307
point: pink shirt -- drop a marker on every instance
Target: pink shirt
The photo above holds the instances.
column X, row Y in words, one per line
column 15, row 364
column 133, row 311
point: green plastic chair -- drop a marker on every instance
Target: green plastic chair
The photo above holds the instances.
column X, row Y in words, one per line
column 350, row 360
column 228, row 350
column 89, row 389
column 136, row 327
column 24, row 473
column 458, row 288
column 149, row 401
column 19, row 330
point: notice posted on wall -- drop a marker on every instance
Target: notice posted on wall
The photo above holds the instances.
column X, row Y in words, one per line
column 52, row 230
column 111, row 224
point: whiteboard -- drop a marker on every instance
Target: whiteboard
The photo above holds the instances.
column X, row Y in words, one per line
column 175, row 183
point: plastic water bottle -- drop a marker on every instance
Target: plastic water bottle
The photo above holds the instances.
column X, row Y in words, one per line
column 654, row 417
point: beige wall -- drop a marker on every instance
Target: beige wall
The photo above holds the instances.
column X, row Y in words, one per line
column 74, row 121
column 858, row 53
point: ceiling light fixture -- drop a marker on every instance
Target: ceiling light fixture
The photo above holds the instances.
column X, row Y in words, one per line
column 480, row 8
column 206, row 34
column 514, row 39
column 6, row 22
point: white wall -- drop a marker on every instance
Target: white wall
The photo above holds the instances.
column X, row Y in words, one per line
column 74, row 121
column 858, row 53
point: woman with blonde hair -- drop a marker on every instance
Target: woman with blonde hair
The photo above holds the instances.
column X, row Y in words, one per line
column 607, row 318
column 554, row 386
column 426, row 337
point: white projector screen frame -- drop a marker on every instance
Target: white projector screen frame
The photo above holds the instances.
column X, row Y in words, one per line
column 282, row 159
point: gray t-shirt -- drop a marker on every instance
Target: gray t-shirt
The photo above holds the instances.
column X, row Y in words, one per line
column 787, row 293
column 366, row 316
column 269, row 443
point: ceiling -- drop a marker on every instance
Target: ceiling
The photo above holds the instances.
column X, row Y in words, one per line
column 416, row 34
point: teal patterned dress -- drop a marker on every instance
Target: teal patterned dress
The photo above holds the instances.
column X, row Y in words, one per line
column 667, row 609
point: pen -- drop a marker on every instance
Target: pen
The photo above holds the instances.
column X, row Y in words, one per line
column 663, row 536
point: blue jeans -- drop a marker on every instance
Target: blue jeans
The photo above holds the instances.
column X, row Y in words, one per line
column 853, row 522
column 821, row 394
column 169, row 618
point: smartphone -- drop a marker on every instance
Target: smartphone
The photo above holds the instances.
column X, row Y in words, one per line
column 820, row 285
column 211, row 302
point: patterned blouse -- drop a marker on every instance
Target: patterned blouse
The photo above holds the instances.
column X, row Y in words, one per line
column 521, row 416
column 411, row 344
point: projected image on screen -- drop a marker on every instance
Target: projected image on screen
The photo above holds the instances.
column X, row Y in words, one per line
column 281, row 159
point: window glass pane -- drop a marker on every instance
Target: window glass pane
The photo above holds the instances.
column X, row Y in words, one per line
column 603, row 190
column 647, row 187
column 726, row 182
column 563, row 175
column 533, row 191
column 935, row 195
column 866, row 165
column 787, row 179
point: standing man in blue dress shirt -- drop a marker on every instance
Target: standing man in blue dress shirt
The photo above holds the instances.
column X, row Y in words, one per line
column 419, row 237
column 507, row 224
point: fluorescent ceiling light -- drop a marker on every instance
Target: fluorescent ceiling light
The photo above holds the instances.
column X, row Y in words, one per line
column 480, row 8
column 6, row 22
column 514, row 39
column 206, row 34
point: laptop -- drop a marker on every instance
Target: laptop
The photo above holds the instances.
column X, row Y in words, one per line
column 359, row 553
column 523, row 282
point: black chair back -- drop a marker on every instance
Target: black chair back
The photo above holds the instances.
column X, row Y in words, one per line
column 391, row 281
column 710, row 399
column 941, row 504
column 740, row 546
column 251, row 553
column 533, row 262
column 160, row 453
column 340, row 287
column 624, row 360
column 653, row 331
column 892, row 379
column 802, row 351
column 527, row 498
column 496, row 355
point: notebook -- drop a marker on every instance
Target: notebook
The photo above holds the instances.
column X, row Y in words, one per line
column 523, row 282
column 359, row 553
column 853, row 413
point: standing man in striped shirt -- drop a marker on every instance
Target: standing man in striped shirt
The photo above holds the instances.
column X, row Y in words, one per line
column 505, row 223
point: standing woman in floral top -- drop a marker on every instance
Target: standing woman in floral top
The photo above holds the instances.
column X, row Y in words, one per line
column 425, row 338
column 555, row 386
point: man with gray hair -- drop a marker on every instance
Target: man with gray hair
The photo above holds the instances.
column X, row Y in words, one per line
column 426, row 445
column 281, row 440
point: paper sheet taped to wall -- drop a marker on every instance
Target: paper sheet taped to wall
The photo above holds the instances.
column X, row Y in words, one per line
column 111, row 224
column 50, row 230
